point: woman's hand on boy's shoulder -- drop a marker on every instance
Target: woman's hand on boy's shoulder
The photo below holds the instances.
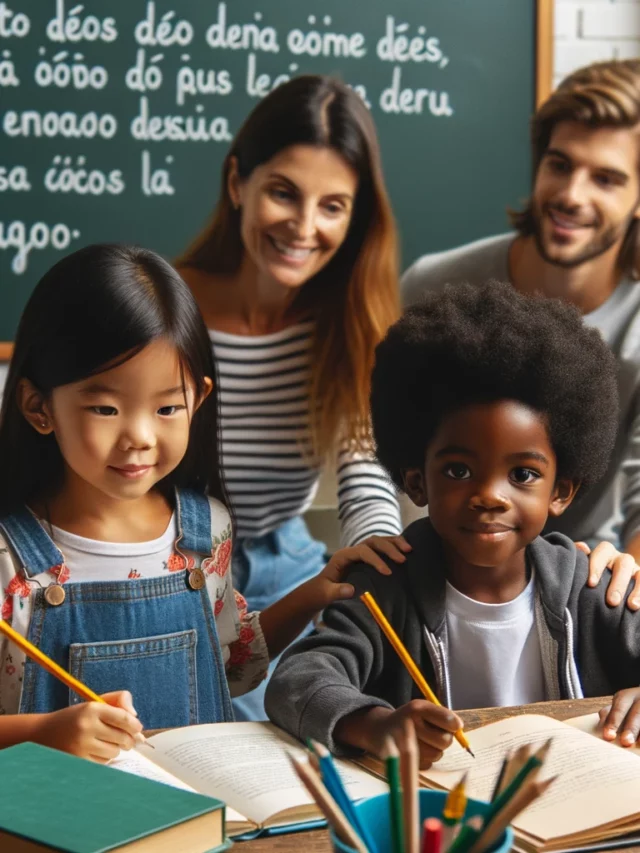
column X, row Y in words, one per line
column 623, row 568
column 368, row 551
column 621, row 719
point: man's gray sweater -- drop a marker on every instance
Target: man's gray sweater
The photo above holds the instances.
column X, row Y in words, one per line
column 588, row 648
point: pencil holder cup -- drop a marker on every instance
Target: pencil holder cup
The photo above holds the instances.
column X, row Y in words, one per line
column 374, row 812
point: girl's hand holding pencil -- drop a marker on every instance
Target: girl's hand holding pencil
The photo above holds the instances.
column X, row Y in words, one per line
column 93, row 730
column 96, row 729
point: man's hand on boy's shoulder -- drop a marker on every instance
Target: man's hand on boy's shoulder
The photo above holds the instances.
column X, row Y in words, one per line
column 621, row 719
column 623, row 568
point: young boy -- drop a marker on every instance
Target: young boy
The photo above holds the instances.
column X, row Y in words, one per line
column 496, row 410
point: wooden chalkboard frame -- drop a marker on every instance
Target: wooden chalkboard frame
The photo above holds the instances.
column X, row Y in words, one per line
column 544, row 49
column 543, row 78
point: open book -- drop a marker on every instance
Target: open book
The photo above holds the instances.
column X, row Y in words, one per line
column 246, row 766
column 595, row 798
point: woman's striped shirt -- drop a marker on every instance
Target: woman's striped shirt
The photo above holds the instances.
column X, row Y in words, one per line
column 265, row 424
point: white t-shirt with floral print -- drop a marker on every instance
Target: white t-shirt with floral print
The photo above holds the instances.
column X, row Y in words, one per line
column 85, row 560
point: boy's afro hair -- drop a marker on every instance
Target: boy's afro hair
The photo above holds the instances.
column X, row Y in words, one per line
column 471, row 344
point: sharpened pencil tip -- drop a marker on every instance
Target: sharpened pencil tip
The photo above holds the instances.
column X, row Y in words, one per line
column 470, row 752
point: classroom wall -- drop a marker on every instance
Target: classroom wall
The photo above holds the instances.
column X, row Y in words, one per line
column 591, row 30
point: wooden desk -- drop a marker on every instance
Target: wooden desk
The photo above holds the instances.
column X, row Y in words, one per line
column 318, row 841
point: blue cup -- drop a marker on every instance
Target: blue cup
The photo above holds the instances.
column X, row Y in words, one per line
column 374, row 812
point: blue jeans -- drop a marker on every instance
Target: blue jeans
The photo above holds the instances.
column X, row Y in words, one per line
column 264, row 571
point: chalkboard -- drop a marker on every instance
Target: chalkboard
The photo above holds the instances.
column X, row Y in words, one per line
column 115, row 115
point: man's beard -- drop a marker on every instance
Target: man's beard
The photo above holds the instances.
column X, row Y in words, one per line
column 598, row 246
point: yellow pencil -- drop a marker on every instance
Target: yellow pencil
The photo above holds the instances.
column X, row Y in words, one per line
column 407, row 660
column 51, row 666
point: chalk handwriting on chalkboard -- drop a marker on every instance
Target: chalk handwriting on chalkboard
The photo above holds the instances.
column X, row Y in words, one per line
column 179, row 79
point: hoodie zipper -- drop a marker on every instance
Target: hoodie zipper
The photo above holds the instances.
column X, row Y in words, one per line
column 569, row 664
column 435, row 648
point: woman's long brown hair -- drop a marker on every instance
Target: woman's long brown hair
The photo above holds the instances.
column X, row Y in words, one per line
column 354, row 299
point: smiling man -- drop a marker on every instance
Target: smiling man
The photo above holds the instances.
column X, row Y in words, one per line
column 578, row 239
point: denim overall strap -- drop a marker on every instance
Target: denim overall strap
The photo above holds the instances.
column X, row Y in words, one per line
column 194, row 521
column 34, row 547
column 195, row 534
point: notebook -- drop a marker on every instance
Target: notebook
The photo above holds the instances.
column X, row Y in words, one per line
column 53, row 801
column 246, row 765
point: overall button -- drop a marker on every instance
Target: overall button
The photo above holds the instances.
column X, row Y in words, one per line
column 196, row 579
column 55, row 594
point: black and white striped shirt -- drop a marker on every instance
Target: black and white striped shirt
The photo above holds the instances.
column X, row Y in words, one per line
column 264, row 401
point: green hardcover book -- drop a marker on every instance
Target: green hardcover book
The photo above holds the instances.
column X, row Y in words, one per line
column 52, row 801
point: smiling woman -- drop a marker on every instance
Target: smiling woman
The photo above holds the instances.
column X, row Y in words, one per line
column 296, row 277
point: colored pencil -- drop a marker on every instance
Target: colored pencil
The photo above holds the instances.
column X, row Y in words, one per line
column 517, row 760
column 529, row 770
column 327, row 805
column 335, row 786
column 384, row 625
column 453, row 812
column 467, row 836
column 61, row 674
column 501, row 774
column 432, row 836
column 392, row 761
column 409, row 770
column 314, row 761
column 529, row 792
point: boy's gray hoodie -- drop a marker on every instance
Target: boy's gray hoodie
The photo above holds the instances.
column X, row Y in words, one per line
column 588, row 648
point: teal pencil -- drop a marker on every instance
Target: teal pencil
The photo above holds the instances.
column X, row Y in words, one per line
column 392, row 763
column 532, row 764
column 334, row 784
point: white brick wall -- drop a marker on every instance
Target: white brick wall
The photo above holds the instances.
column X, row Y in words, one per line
column 591, row 30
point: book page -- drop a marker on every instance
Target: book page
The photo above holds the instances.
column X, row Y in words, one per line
column 132, row 761
column 135, row 762
column 245, row 764
column 597, row 784
column 590, row 723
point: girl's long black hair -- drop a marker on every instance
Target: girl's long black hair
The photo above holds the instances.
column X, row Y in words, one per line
column 94, row 309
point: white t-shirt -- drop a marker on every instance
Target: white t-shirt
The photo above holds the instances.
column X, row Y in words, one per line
column 494, row 651
column 92, row 560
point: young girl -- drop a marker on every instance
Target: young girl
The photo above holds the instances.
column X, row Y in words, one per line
column 115, row 539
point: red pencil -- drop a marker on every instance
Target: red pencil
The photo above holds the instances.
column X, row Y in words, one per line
column 432, row 835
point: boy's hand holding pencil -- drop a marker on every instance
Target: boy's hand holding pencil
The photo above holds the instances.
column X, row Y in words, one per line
column 435, row 727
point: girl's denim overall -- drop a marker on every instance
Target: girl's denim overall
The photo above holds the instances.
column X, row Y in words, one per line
column 155, row 637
